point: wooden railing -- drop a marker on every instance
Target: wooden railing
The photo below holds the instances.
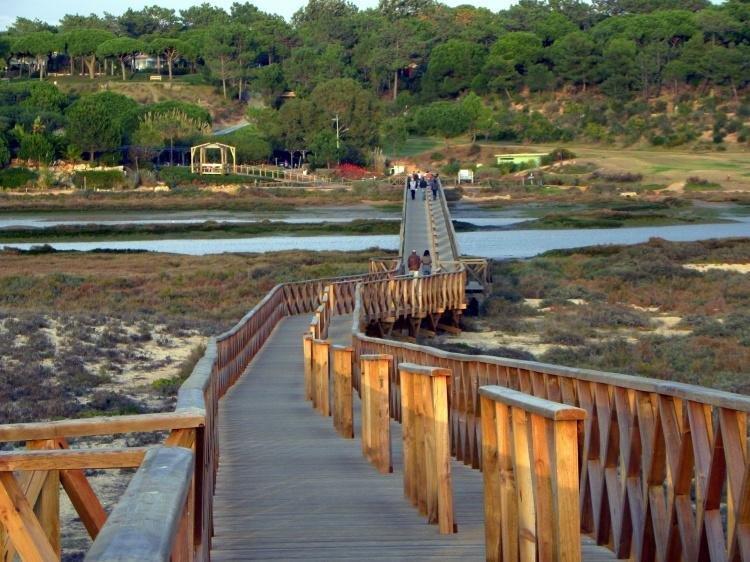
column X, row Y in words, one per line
column 664, row 466
column 417, row 297
column 530, row 466
column 276, row 173
column 172, row 492
column 387, row 264
column 29, row 503
column 446, row 215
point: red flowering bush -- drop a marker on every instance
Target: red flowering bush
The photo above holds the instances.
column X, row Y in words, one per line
column 353, row 172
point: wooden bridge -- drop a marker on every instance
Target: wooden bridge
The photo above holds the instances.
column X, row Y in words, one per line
column 318, row 429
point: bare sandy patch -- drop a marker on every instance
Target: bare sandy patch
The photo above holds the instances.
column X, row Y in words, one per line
column 733, row 267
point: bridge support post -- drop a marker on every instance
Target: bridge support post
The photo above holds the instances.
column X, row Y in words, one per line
column 320, row 377
column 376, row 428
column 530, row 466
column 427, row 456
column 307, row 345
column 343, row 407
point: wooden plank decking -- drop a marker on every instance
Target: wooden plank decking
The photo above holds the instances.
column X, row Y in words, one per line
column 289, row 487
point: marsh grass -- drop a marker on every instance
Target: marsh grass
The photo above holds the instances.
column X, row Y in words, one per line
column 604, row 308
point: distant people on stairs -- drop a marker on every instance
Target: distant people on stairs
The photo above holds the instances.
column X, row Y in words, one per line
column 412, row 182
column 426, row 263
column 423, row 187
column 413, row 263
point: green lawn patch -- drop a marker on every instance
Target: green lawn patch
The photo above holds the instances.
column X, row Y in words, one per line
column 414, row 146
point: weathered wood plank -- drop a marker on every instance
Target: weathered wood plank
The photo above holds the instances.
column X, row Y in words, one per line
column 71, row 459
column 100, row 426
column 143, row 525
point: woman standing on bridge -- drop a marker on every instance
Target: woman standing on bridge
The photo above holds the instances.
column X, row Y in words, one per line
column 413, row 263
column 426, row 263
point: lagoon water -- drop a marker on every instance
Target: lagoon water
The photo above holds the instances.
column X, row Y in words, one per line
column 489, row 244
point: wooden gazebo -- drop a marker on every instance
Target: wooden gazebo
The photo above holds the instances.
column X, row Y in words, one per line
column 202, row 166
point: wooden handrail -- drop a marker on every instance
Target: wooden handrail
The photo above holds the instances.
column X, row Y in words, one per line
column 146, row 521
column 71, row 459
column 102, row 426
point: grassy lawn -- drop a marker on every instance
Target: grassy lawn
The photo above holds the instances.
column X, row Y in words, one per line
column 415, row 145
column 730, row 169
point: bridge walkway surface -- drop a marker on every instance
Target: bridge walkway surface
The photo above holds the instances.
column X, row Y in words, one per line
column 289, row 487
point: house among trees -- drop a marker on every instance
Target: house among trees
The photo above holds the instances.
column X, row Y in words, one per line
column 143, row 61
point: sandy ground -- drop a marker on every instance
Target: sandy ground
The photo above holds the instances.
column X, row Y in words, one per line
column 704, row 267
column 145, row 361
column 531, row 339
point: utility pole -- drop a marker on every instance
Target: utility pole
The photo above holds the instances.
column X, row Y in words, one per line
column 336, row 119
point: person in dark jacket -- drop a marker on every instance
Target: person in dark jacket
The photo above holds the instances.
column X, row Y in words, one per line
column 426, row 263
column 413, row 263
column 434, row 187
column 423, row 187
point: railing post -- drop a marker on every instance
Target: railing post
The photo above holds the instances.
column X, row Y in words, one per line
column 307, row 347
column 427, row 476
column 376, row 430
column 321, row 392
column 47, row 504
column 530, row 466
column 343, row 407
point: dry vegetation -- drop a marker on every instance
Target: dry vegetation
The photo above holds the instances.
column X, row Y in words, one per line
column 85, row 334
column 94, row 333
column 634, row 309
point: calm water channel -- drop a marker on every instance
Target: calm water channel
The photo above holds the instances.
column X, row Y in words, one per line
column 490, row 244
column 494, row 244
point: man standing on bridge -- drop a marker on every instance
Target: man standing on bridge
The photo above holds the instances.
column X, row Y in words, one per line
column 413, row 263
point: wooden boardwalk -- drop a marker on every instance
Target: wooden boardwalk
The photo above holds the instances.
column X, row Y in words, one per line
column 290, row 488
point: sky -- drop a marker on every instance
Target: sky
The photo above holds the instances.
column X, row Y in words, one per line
column 52, row 10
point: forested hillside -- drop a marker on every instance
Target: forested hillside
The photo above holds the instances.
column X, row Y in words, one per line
column 664, row 72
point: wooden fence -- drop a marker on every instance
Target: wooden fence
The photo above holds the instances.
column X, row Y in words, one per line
column 172, row 491
column 664, row 467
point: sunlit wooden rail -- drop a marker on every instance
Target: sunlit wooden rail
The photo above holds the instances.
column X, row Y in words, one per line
column 648, row 469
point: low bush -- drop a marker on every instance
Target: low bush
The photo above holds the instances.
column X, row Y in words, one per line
column 557, row 155
column 176, row 175
column 99, row 179
column 695, row 183
column 14, row 178
column 618, row 177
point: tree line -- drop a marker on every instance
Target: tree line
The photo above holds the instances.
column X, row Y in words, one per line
column 418, row 66
column 416, row 47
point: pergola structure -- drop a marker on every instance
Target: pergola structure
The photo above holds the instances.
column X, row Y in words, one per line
column 203, row 166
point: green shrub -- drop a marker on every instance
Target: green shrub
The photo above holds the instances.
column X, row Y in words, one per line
column 13, row 178
column 451, row 168
column 435, row 156
column 695, row 183
column 557, row 155
column 175, row 175
column 99, row 179
column 4, row 152
column 36, row 148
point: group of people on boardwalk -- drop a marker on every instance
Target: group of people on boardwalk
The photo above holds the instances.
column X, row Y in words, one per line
column 421, row 181
column 418, row 264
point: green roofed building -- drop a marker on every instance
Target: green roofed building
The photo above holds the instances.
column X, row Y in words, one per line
column 530, row 158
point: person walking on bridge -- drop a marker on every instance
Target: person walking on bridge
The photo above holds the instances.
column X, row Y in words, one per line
column 434, row 187
column 426, row 263
column 423, row 187
column 413, row 187
column 413, row 263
